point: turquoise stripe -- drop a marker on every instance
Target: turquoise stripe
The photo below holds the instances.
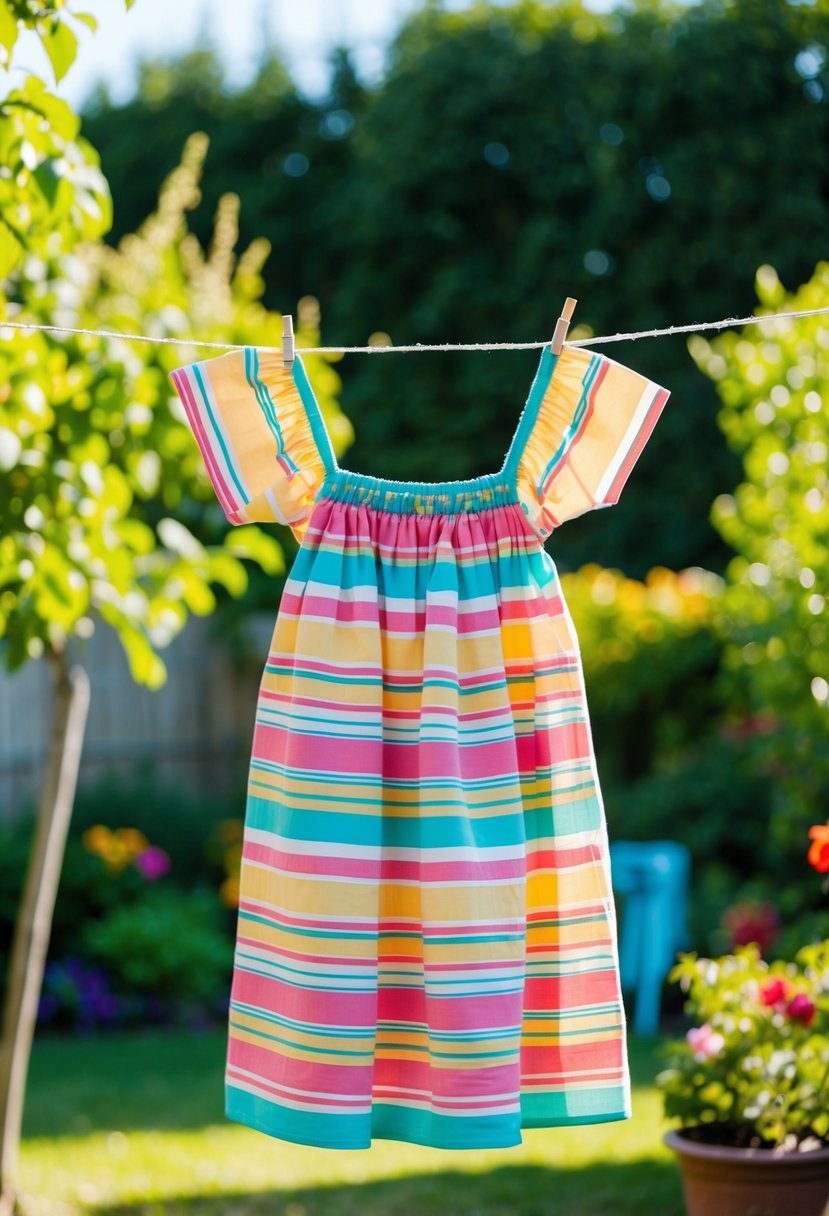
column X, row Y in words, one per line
column 345, row 570
column 573, row 1106
column 314, row 415
column 424, row 832
column 389, row 1121
column 266, row 404
column 578, row 415
column 197, row 376
column 385, row 1121
column 581, row 816
column 529, row 415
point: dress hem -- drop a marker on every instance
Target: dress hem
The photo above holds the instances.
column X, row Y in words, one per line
column 527, row 1124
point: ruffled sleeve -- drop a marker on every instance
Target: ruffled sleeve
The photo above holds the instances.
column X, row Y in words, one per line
column 260, row 433
column 589, row 419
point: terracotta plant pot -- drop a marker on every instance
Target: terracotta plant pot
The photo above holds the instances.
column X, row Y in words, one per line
column 722, row 1181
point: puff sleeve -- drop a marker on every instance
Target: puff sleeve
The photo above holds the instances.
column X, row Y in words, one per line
column 589, row 420
column 260, row 434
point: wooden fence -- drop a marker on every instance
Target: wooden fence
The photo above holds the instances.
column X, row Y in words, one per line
column 196, row 730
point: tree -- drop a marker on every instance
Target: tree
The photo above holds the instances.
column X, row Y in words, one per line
column 95, row 452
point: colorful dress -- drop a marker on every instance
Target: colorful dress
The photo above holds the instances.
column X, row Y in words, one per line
column 426, row 944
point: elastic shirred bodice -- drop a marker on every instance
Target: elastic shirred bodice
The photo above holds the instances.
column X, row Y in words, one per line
column 419, row 497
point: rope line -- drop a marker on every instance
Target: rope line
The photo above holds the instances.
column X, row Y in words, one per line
column 417, row 346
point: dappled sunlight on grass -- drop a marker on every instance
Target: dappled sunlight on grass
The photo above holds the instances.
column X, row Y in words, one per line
column 124, row 1166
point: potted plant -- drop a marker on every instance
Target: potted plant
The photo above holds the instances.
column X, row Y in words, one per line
column 749, row 1083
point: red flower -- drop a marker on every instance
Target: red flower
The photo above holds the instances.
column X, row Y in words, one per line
column 802, row 1008
column 819, row 848
column 775, row 992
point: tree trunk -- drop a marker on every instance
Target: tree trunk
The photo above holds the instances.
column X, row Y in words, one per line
column 34, row 923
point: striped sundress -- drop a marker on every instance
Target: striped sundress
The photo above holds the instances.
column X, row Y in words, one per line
column 426, row 945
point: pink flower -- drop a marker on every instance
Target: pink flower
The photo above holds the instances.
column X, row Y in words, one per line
column 705, row 1042
column 802, row 1008
column 153, row 862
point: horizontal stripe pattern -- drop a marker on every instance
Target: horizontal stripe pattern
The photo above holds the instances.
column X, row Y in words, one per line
column 426, row 944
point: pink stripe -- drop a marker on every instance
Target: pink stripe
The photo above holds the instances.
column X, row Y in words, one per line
column 648, row 423
column 385, row 869
column 449, row 1013
column 390, row 620
column 314, row 1006
column 448, row 1082
column 540, row 859
column 469, row 619
column 565, row 1080
column 399, row 761
column 350, row 1080
column 183, row 387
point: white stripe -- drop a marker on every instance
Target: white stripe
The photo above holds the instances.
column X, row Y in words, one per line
column 368, row 852
column 649, row 392
column 294, row 1103
column 319, row 1093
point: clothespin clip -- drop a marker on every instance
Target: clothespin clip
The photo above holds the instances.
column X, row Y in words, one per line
column 562, row 325
column 287, row 341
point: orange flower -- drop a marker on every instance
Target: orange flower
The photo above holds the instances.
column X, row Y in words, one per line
column 819, row 848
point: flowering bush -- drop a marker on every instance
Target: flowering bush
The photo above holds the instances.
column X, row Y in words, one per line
column 77, row 993
column 754, row 1070
column 126, row 846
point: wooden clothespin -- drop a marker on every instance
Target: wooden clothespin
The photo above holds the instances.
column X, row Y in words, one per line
column 287, row 341
column 562, row 325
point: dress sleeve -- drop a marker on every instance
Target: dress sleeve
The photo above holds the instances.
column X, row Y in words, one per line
column 260, row 433
column 589, row 419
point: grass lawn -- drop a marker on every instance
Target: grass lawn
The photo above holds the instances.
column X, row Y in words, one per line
column 133, row 1125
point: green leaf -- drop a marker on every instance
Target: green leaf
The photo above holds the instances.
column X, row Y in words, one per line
column 11, row 251
column 229, row 572
column 8, row 31
column 88, row 20
column 48, row 180
column 62, row 120
column 61, row 46
column 145, row 665
column 250, row 541
column 196, row 594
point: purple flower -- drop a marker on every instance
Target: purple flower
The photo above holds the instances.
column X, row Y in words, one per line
column 48, row 1006
column 153, row 862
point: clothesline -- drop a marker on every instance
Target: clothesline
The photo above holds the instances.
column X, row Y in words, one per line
column 417, row 346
